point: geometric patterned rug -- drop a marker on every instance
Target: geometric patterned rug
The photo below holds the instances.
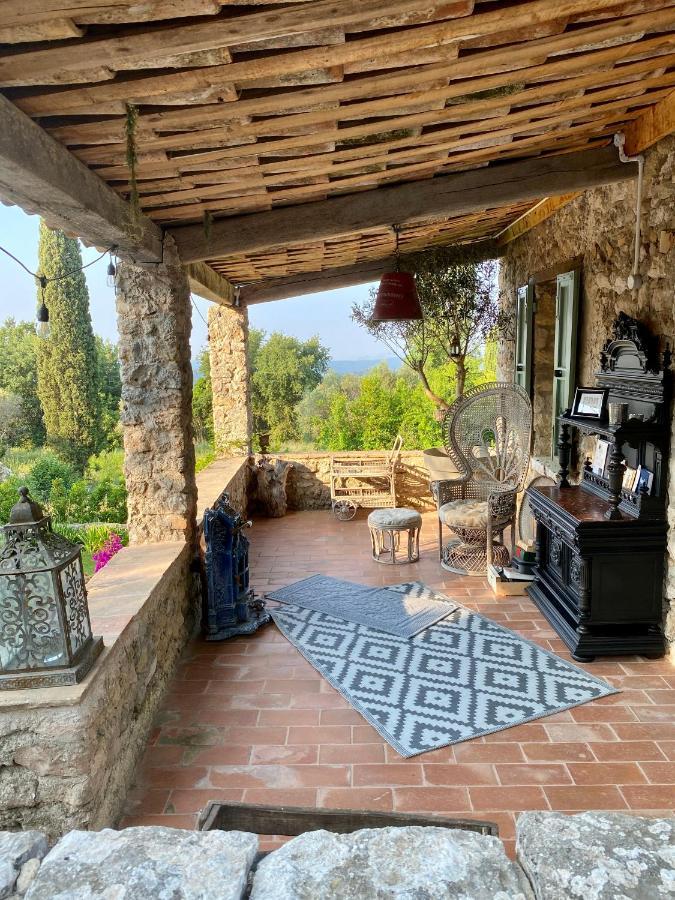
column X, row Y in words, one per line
column 399, row 612
column 463, row 677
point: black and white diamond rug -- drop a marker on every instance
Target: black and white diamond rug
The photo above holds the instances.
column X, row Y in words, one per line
column 463, row 677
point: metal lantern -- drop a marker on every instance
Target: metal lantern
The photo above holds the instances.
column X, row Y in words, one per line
column 45, row 631
column 397, row 299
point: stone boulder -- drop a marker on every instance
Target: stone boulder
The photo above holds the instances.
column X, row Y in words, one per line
column 414, row 863
column 597, row 856
column 20, row 855
column 153, row 862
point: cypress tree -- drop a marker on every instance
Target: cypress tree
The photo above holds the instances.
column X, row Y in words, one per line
column 67, row 363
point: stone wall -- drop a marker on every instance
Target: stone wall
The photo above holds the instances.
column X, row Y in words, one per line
column 559, row 857
column 228, row 348
column 68, row 755
column 599, row 228
column 153, row 316
column 308, row 485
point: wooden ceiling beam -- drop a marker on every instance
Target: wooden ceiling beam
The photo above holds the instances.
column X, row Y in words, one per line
column 313, row 282
column 343, row 276
column 209, row 284
column 538, row 213
column 447, row 195
column 41, row 176
column 655, row 123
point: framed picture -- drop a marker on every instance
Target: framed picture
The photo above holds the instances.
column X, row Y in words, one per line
column 644, row 481
column 589, row 403
column 600, row 457
column 629, row 477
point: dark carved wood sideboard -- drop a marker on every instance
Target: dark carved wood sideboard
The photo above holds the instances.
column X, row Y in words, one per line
column 601, row 547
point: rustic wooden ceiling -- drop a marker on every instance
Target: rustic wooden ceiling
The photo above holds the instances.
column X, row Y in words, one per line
column 246, row 107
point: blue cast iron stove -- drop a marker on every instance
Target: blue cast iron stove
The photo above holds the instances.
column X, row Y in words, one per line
column 231, row 606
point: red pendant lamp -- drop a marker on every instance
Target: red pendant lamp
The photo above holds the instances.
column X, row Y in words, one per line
column 397, row 299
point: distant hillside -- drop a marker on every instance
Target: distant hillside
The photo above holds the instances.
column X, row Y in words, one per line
column 359, row 366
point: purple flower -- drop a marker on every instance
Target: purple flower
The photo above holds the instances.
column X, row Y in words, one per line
column 103, row 556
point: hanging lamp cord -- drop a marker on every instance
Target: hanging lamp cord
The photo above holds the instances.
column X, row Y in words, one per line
column 43, row 280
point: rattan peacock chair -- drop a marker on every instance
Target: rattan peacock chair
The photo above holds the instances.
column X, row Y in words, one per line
column 487, row 434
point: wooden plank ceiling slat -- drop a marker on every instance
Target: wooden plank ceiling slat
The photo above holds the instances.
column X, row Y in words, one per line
column 244, row 107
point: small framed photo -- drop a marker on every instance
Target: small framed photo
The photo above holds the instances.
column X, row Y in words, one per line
column 600, row 457
column 589, row 403
column 629, row 477
column 644, row 481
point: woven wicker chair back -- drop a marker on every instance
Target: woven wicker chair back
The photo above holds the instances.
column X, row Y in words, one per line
column 487, row 432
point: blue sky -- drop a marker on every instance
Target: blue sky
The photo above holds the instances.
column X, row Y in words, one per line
column 324, row 314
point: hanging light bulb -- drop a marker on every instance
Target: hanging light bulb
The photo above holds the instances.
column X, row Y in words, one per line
column 111, row 276
column 397, row 299
column 42, row 326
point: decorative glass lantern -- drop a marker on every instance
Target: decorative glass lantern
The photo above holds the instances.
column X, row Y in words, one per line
column 45, row 632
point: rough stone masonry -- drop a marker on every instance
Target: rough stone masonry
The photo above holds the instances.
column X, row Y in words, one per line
column 590, row 856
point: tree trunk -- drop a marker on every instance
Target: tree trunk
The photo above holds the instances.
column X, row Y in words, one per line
column 438, row 402
column 461, row 374
column 270, row 486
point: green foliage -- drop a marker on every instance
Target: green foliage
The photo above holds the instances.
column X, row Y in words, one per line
column 283, row 370
column 108, row 464
column 109, row 393
column 461, row 312
column 68, row 381
column 9, row 495
column 45, row 472
column 366, row 413
column 202, row 401
column 18, row 376
column 204, row 456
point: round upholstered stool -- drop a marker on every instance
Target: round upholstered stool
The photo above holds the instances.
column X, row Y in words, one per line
column 386, row 527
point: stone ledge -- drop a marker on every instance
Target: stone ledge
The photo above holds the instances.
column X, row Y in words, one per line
column 116, row 595
column 224, row 474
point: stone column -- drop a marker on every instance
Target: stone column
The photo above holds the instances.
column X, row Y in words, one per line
column 228, row 350
column 154, row 321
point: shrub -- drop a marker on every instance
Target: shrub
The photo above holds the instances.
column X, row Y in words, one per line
column 105, row 466
column 74, row 535
column 108, row 501
column 9, row 495
column 45, row 471
column 58, row 500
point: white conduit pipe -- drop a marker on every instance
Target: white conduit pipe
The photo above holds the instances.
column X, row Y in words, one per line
column 634, row 280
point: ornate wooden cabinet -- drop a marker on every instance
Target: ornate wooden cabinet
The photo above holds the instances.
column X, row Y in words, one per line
column 601, row 547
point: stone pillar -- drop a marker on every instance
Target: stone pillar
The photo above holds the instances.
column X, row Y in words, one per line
column 154, row 321
column 228, row 350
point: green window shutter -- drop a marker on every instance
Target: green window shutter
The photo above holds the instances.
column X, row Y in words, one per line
column 524, row 312
column 565, row 345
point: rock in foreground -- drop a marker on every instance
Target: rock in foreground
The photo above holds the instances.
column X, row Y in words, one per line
column 399, row 863
column 158, row 863
column 597, row 856
column 20, row 855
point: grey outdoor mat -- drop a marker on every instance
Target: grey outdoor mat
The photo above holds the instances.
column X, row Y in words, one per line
column 401, row 613
column 464, row 677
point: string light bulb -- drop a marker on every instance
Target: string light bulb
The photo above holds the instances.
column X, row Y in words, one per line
column 111, row 276
column 42, row 327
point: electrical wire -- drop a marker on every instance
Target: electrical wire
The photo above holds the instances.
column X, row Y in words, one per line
column 44, row 280
column 199, row 312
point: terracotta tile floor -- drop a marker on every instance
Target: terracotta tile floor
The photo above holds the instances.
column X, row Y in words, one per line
column 250, row 720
